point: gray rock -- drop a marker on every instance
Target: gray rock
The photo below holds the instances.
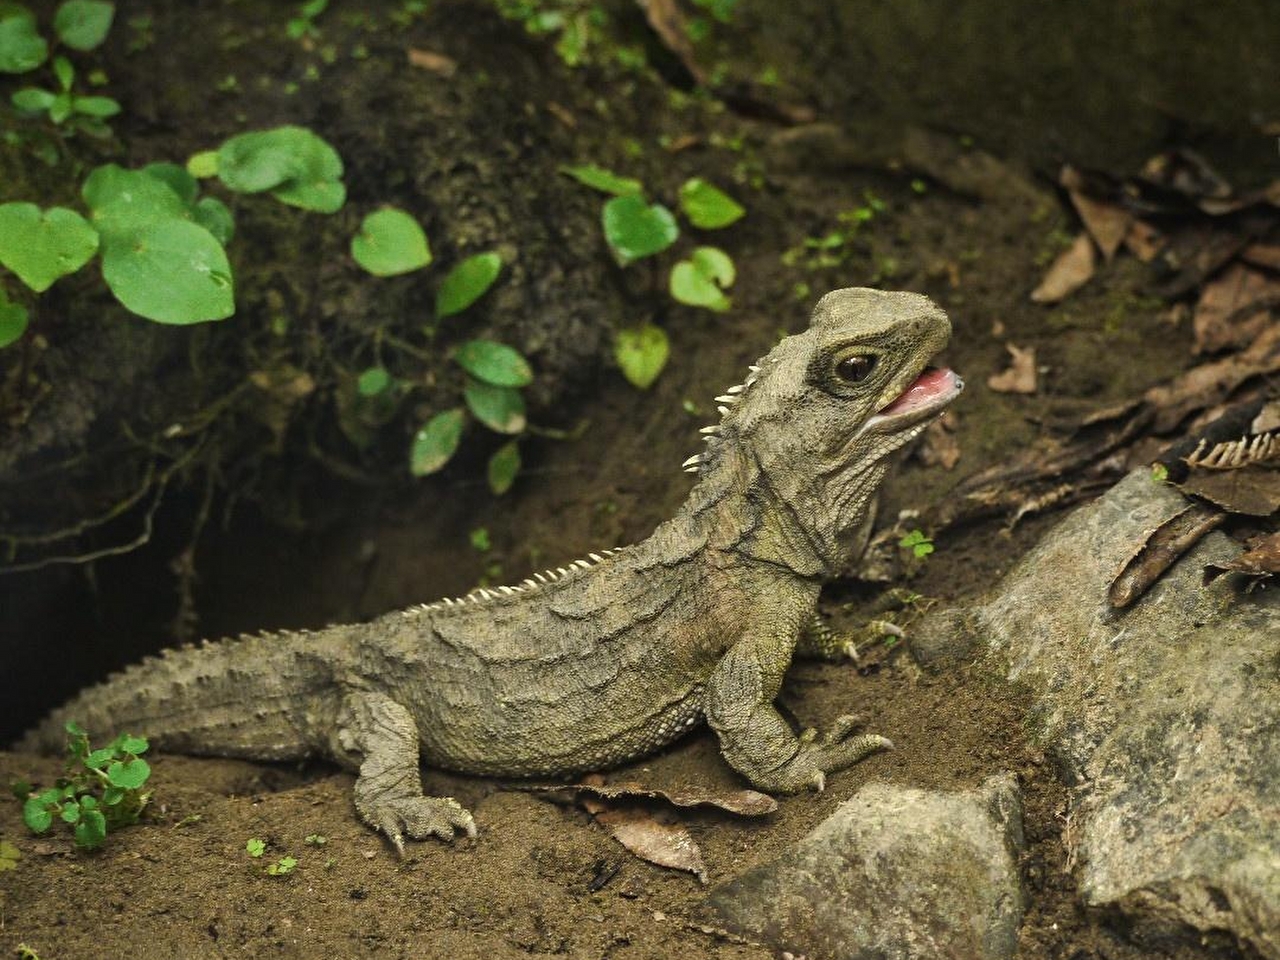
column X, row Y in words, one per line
column 894, row 873
column 1165, row 717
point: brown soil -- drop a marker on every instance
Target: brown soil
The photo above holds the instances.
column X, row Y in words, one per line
column 542, row 877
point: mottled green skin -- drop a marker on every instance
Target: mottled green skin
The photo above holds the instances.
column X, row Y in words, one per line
column 609, row 659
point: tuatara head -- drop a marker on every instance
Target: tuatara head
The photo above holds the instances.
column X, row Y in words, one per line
column 805, row 438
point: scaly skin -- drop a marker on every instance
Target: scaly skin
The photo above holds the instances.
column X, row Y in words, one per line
column 612, row 657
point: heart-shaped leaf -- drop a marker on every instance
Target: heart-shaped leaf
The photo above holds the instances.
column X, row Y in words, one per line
column 494, row 363
column 436, row 442
column 707, row 206
column 636, row 229
column 498, row 408
column 701, row 280
column 21, row 46
column 40, row 246
column 641, row 353
column 123, row 203
column 171, row 272
column 83, row 24
column 298, row 166
column 390, row 242
column 466, row 283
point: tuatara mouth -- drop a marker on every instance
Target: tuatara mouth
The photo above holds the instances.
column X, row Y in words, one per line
column 927, row 395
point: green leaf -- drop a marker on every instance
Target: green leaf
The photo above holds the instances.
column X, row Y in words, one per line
column 635, row 229
column 99, row 758
column 112, row 796
column 171, row 272
column 212, row 214
column 33, row 99
column 606, row 181
column 13, row 321
column 390, row 242
column 128, row 743
column 255, row 847
column 176, row 178
column 700, row 280
column 62, row 107
column 65, row 72
column 36, row 814
column 128, row 774
column 373, row 381
column 124, row 203
column 91, row 830
column 203, row 164
column 83, row 24
column 494, row 363
column 40, row 246
column 436, row 442
column 71, row 813
column 641, row 352
column 21, row 46
column 298, row 166
column 708, row 207
column 503, row 467
column 466, row 283
column 498, row 408
column 100, row 107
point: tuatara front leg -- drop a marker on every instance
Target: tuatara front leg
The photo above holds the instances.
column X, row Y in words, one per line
column 819, row 642
column 755, row 739
column 378, row 737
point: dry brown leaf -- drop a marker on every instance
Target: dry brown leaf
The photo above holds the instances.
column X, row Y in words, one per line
column 437, row 63
column 746, row 803
column 666, row 844
column 669, row 23
column 1251, row 491
column 1107, row 223
column 1231, row 310
column 940, row 447
column 1261, row 560
column 1143, row 240
column 1069, row 272
column 1161, row 550
column 566, row 119
column 1212, row 382
column 1266, row 255
column 1020, row 376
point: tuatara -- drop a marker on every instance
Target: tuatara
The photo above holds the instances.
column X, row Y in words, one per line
column 612, row 656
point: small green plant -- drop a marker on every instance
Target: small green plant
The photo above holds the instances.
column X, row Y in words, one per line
column 304, row 24
column 64, row 105
column 23, row 952
column 282, row 867
column 833, row 248
column 255, row 847
column 315, row 840
column 102, row 790
column 390, row 242
column 919, row 544
column 1159, row 472
column 634, row 229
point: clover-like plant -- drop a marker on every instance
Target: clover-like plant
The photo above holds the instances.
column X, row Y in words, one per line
column 634, row 229
column 102, row 790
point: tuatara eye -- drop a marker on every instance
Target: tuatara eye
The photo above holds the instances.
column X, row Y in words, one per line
column 856, row 368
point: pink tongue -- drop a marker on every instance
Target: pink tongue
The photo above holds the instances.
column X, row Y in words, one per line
column 931, row 383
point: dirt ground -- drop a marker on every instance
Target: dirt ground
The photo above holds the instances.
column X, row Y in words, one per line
column 543, row 877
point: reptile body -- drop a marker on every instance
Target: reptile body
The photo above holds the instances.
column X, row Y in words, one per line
column 615, row 655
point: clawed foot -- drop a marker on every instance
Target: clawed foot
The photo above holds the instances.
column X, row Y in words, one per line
column 820, row 754
column 419, row 818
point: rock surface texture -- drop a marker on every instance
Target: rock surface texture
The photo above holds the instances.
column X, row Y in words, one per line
column 1165, row 718
column 896, row 873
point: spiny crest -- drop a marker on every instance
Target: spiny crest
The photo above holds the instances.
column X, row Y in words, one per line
column 1233, row 454
column 712, row 435
column 483, row 594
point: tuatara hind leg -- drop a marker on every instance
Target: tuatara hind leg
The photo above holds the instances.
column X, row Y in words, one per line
column 377, row 736
column 818, row 641
column 754, row 737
